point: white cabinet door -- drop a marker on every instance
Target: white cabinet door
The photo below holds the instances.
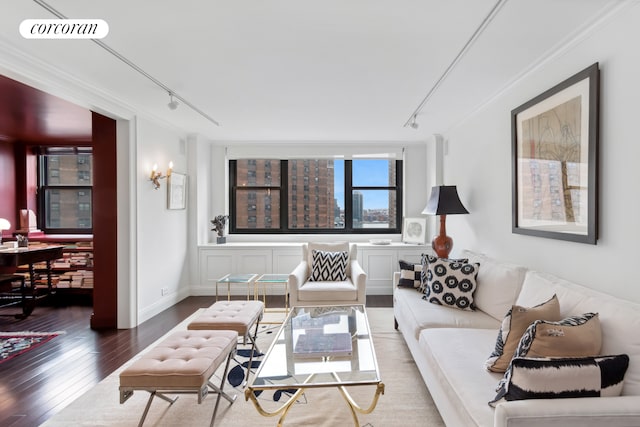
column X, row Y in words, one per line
column 379, row 265
column 286, row 260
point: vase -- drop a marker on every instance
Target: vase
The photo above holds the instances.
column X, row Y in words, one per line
column 221, row 240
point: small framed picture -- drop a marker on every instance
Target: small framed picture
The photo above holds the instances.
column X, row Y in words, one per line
column 177, row 191
column 414, row 230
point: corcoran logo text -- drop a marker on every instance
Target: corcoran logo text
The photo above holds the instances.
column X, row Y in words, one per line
column 64, row 28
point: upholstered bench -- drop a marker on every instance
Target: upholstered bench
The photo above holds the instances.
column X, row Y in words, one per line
column 239, row 316
column 182, row 363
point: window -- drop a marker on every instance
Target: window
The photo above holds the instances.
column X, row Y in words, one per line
column 315, row 196
column 65, row 189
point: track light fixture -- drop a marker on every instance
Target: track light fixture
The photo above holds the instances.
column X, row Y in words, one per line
column 411, row 121
column 414, row 124
column 173, row 104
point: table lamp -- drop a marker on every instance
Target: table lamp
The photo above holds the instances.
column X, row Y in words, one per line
column 4, row 225
column 443, row 201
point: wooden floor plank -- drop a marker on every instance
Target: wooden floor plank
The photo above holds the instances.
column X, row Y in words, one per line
column 36, row 385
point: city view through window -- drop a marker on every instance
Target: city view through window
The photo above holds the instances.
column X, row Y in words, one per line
column 318, row 191
column 66, row 189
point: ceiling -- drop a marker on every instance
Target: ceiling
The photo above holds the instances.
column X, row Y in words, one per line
column 297, row 70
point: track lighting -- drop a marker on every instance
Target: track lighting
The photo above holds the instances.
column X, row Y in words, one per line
column 173, row 104
column 414, row 124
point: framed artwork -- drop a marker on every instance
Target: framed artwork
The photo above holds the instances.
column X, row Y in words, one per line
column 177, row 191
column 555, row 161
column 414, row 230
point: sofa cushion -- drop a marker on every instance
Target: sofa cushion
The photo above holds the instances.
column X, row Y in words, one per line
column 619, row 319
column 549, row 378
column 455, row 355
column 451, row 284
column 514, row 324
column 328, row 291
column 410, row 274
column 415, row 314
column 498, row 284
column 329, row 266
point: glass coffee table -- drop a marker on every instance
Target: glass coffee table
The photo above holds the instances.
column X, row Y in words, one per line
column 326, row 346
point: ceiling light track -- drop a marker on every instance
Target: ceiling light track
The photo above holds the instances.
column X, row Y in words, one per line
column 135, row 67
column 411, row 121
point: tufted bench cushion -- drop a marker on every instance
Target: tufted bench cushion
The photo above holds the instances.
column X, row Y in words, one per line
column 185, row 359
column 237, row 316
column 184, row 362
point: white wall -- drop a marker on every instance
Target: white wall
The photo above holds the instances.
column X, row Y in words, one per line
column 479, row 162
column 161, row 233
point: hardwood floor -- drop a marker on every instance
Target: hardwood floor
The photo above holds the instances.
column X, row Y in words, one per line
column 36, row 385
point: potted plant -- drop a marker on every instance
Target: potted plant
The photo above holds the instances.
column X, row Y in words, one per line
column 219, row 223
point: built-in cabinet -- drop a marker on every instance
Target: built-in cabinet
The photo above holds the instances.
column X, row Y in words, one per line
column 215, row 261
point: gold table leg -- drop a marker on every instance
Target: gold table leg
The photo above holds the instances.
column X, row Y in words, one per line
column 284, row 409
column 354, row 407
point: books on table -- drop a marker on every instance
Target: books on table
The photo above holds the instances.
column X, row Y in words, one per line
column 316, row 343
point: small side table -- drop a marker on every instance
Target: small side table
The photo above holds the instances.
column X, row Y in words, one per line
column 242, row 279
column 273, row 279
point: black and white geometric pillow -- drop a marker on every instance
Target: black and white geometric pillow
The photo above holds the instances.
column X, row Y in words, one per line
column 329, row 266
column 526, row 341
column 409, row 275
column 427, row 259
column 549, row 378
column 451, row 283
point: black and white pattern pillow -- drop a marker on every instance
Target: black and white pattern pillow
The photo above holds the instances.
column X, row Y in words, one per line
column 410, row 275
column 549, row 378
column 527, row 340
column 451, row 283
column 426, row 259
column 328, row 266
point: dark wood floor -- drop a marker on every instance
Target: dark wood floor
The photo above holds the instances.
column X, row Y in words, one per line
column 36, row 385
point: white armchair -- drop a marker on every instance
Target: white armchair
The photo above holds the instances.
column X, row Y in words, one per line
column 305, row 292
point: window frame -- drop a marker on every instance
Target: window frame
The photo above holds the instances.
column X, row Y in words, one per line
column 43, row 186
column 283, row 188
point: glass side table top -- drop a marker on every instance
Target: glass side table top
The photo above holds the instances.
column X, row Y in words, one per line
column 273, row 278
column 237, row 278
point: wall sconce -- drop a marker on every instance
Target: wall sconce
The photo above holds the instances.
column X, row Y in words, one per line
column 156, row 176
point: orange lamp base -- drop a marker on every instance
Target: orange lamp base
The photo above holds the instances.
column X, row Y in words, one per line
column 442, row 243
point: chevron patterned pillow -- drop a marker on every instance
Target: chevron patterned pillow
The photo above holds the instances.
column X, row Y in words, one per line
column 329, row 266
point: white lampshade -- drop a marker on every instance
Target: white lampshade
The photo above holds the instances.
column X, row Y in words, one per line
column 4, row 224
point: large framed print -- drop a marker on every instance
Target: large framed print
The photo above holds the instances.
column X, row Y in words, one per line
column 177, row 191
column 555, row 161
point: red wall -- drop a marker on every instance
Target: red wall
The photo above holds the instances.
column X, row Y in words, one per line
column 8, row 185
column 105, row 202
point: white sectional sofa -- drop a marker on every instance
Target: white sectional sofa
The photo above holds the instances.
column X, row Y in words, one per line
column 450, row 347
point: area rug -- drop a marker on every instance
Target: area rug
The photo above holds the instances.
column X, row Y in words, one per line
column 406, row 400
column 13, row 344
